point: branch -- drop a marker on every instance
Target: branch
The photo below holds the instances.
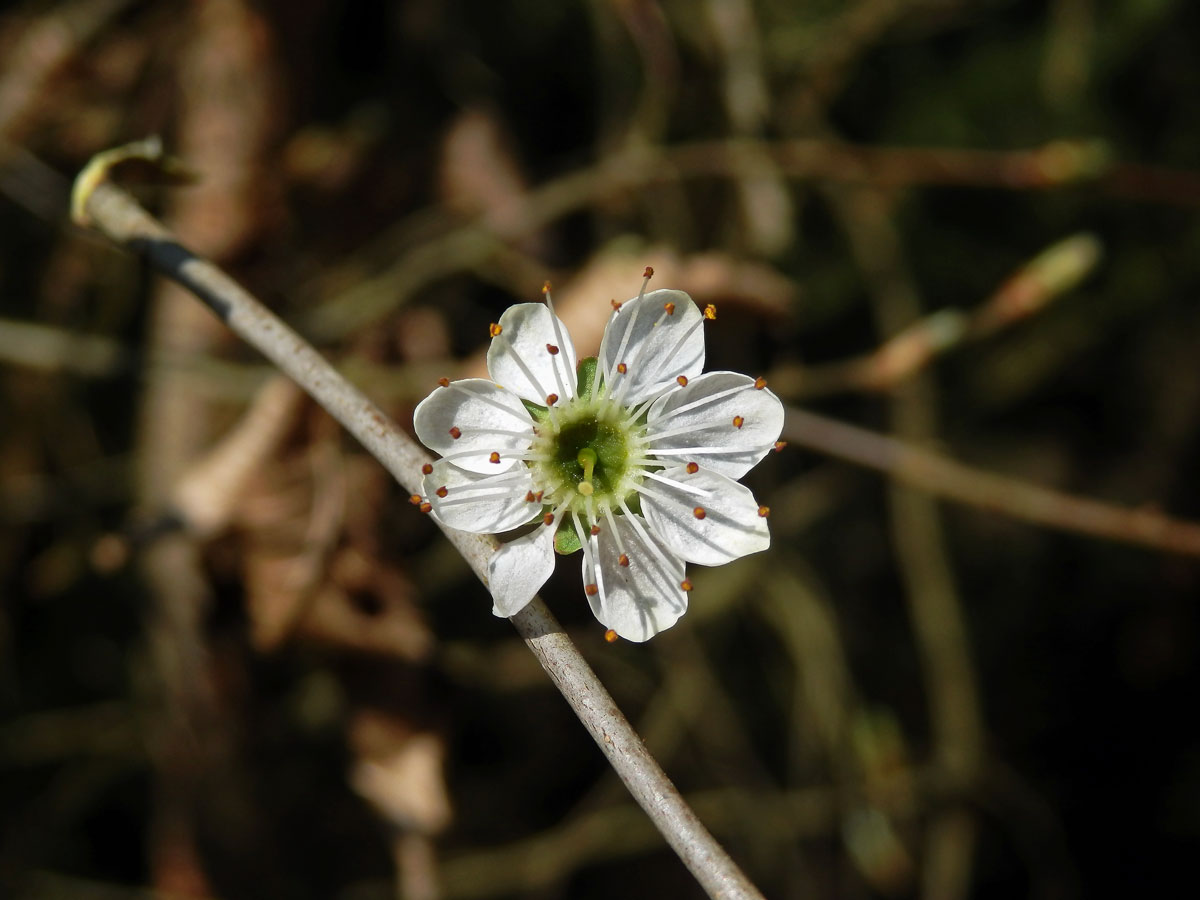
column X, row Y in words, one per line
column 118, row 216
column 961, row 483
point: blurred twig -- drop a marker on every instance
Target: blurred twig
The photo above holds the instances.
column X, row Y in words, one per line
column 1053, row 272
column 1056, row 165
column 953, row 480
column 120, row 218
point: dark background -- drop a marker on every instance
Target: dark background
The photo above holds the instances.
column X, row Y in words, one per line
column 291, row 687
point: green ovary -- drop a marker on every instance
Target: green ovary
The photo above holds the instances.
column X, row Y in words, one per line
column 590, row 444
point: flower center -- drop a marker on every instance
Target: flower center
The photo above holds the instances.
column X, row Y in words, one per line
column 584, row 454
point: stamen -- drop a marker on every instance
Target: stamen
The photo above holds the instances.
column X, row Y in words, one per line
column 529, row 498
column 558, row 336
column 525, row 370
column 760, row 383
column 589, row 561
column 686, row 585
column 595, row 530
column 415, row 499
column 622, row 368
column 610, row 636
column 678, row 485
column 444, row 382
column 442, row 491
column 616, row 532
column 495, row 329
column 693, row 468
column 426, row 508
column 623, row 560
column 682, row 379
column 764, row 511
column 710, row 312
column 670, row 308
column 455, row 432
column 494, row 458
column 779, row 445
column 699, row 512
column 427, row 469
column 646, row 539
column 522, row 416
column 615, row 305
column 703, row 401
column 552, row 350
column 548, row 519
column 551, row 399
column 738, row 421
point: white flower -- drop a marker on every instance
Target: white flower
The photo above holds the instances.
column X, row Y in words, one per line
column 630, row 456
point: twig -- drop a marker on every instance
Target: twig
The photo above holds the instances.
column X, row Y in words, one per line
column 974, row 487
column 1050, row 274
column 119, row 217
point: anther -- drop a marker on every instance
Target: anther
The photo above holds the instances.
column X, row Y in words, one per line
column 685, row 584
column 442, row 491
column 622, row 368
column 738, row 421
column 682, row 379
column 595, row 530
column 455, row 432
column 426, row 508
column 649, row 273
column 494, row 458
column 693, row 468
column 760, row 383
column 623, row 560
column 444, row 382
column 610, row 636
column 546, row 287
column 710, row 312
column 591, row 590
column 415, row 499
column 538, row 496
column 764, row 511
column 552, row 350
column 494, row 330
column 670, row 308
column 779, row 445
column 616, row 305
column 426, row 469
column 699, row 512
column 548, row 519
column 551, row 399
column 529, row 498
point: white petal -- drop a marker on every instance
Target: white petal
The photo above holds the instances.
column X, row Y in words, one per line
column 655, row 348
column 487, row 418
column 730, row 527
column 517, row 571
column 702, row 415
column 639, row 600
column 483, row 504
column 520, row 357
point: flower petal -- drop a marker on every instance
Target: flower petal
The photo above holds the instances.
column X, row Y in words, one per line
column 640, row 599
column 487, row 419
column 517, row 571
column 483, row 504
column 726, row 421
column 532, row 355
column 703, row 516
column 654, row 347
